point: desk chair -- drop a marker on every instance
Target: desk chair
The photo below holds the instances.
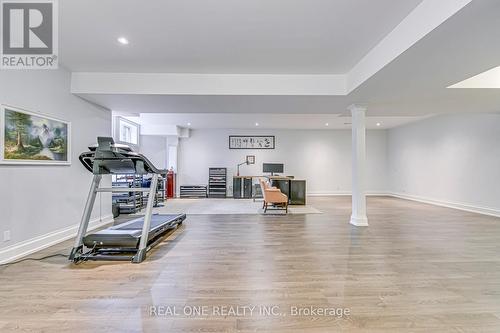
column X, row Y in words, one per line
column 273, row 196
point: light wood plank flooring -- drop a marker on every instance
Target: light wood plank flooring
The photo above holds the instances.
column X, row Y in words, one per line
column 417, row 268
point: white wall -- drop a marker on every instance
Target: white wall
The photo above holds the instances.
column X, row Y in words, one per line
column 38, row 200
column 160, row 150
column 450, row 159
column 155, row 149
column 322, row 157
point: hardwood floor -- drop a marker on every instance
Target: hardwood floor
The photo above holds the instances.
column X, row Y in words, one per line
column 417, row 268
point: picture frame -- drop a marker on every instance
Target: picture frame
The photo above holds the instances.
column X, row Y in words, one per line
column 252, row 142
column 33, row 138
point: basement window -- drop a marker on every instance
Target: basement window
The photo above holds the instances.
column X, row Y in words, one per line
column 126, row 131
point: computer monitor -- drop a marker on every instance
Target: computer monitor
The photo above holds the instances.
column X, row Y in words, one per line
column 272, row 168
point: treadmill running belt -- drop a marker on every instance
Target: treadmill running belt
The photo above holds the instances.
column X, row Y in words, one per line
column 156, row 220
column 128, row 234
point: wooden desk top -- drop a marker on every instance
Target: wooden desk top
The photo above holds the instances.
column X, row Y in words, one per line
column 269, row 177
column 248, row 176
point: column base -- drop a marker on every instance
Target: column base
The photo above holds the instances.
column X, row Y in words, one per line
column 359, row 221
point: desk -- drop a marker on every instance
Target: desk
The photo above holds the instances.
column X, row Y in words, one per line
column 242, row 187
column 294, row 189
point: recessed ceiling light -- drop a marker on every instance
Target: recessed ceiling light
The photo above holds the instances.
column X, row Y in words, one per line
column 378, row 124
column 123, row 40
column 189, row 124
column 256, row 124
column 326, row 124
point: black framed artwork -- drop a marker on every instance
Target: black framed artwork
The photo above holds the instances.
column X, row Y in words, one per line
column 252, row 142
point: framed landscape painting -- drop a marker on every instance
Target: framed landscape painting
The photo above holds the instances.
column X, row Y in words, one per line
column 32, row 138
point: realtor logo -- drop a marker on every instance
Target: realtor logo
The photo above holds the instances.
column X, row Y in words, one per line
column 29, row 38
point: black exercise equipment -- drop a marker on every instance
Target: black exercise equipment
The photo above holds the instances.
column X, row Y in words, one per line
column 130, row 240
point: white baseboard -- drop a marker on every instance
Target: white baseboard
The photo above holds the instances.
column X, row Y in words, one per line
column 39, row 243
column 344, row 193
column 359, row 221
column 449, row 204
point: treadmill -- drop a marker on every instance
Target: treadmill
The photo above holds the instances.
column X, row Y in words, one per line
column 128, row 241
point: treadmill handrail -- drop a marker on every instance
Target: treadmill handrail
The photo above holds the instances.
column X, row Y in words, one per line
column 110, row 158
column 123, row 189
column 89, row 158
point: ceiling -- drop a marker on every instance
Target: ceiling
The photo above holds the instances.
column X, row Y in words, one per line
column 219, row 104
column 224, row 36
column 416, row 82
column 489, row 79
column 412, row 85
column 266, row 121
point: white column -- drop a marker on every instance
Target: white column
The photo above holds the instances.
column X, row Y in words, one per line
column 172, row 152
column 358, row 217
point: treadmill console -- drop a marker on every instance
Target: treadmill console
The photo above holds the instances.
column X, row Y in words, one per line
column 108, row 144
column 108, row 157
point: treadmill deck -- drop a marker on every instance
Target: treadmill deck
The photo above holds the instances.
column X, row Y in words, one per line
column 128, row 234
column 136, row 224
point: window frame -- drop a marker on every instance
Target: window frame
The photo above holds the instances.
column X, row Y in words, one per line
column 117, row 124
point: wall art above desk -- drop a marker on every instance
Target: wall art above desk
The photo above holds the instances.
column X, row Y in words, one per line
column 252, row 142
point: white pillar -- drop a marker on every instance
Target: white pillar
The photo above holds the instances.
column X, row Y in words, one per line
column 172, row 152
column 358, row 217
